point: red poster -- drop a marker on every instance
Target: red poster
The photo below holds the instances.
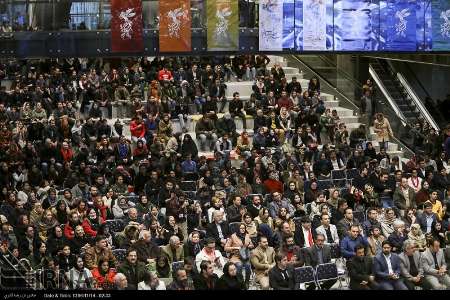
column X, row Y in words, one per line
column 174, row 26
column 126, row 26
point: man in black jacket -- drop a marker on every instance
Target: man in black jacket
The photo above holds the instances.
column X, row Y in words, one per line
column 147, row 251
column 207, row 279
column 236, row 210
column 218, row 230
column 319, row 254
column 237, row 109
column 254, row 208
column 360, row 271
column 281, row 277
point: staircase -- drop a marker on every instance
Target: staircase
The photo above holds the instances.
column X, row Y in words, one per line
column 348, row 116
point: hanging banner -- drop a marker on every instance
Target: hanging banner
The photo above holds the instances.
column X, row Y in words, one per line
column 288, row 24
column 271, row 25
column 398, row 26
column 174, row 26
column 126, row 26
column 314, row 25
column 441, row 25
column 298, row 28
column 223, row 25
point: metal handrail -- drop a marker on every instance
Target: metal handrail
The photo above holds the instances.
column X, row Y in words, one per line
column 407, row 60
column 386, row 94
column 425, row 113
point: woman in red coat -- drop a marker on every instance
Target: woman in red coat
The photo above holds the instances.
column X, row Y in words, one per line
column 66, row 152
column 104, row 275
column 92, row 223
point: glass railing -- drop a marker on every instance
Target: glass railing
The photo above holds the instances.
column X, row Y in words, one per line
column 349, row 92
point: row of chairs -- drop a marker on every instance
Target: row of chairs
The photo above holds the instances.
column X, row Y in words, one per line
column 318, row 275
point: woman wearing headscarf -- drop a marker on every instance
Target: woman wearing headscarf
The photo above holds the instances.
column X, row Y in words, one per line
column 128, row 236
column 231, row 278
column 243, row 188
column 193, row 245
column 36, row 213
column 56, row 241
column 383, row 130
column 36, row 257
column 104, row 275
column 91, row 223
column 422, row 195
column 143, row 205
column 416, row 235
column 264, row 218
column 189, row 147
column 61, row 212
column 171, row 228
column 46, row 224
column 252, row 228
column 141, row 151
column 283, row 216
column 238, row 246
column 438, row 233
column 163, row 267
column 387, row 222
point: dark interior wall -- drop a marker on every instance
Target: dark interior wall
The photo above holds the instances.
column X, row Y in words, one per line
column 435, row 79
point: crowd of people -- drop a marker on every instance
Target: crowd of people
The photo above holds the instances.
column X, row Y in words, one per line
column 85, row 205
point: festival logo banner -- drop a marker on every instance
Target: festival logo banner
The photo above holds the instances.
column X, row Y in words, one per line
column 271, row 25
column 441, row 25
column 314, row 25
column 288, row 24
column 223, row 25
column 398, row 26
column 175, row 26
column 126, row 26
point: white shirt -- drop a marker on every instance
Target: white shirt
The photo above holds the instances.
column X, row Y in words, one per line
column 305, row 235
column 388, row 261
column 144, row 286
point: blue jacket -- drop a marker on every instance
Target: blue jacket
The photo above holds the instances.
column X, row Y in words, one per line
column 380, row 267
column 348, row 245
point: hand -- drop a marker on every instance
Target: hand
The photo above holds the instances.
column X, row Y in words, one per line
column 364, row 282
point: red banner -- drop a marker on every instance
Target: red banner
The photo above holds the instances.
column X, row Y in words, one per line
column 126, row 26
column 174, row 25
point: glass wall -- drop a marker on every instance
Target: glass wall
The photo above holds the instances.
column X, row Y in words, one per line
column 34, row 15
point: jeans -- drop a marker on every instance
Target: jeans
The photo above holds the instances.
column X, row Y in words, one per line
column 248, row 269
column 199, row 101
column 387, row 202
column 250, row 73
column 392, row 285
